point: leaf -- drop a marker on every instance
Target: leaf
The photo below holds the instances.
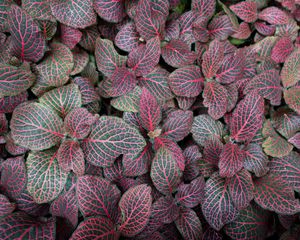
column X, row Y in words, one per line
column 212, row 58
column 20, row 225
column 247, row 117
column 204, row 8
column 97, row 196
column 192, row 194
column 288, row 168
column 97, row 226
column 150, row 112
column 213, row 147
column 27, row 42
column 165, row 173
column 81, row 59
column 255, row 160
column 14, row 80
column 243, row 32
column 200, row 29
column 9, row 103
column 273, row 193
column 127, row 38
column 128, row 102
column 231, row 160
column 178, row 126
column 186, row 81
column 189, row 224
column 45, row 178
column 75, row 13
column 48, row 28
column 70, row 36
column 5, row 8
column 204, row 127
column 13, row 176
column 295, row 140
column 12, row 148
column 135, row 206
column 247, row 11
column 290, row 73
column 251, row 223
column 217, row 208
column 6, row 207
column 109, row 138
column 165, row 210
column 241, row 189
column 273, row 15
column 157, row 83
column 137, row 165
column 267, row 85
column 215, row 97
column 88, row 92
column 36, row 127
column 38, row 9
column 186, row 21
column 282, row 49
column 178, row 54
column 62, row 100
column 107, row 57
column 292, row 98
column 111, row 11
column 89, row 36
column 70, row 157
column 233, row 96
column 144, row 58
column 276, row 146
column 220, row 27
column 264, row 28
column 185, row 103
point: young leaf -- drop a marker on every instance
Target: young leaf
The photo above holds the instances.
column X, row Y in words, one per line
column 255, row 160
column 273, row 15
column 109, row 138
column 205, row 8
column 127, row 38
column 135, row 206
column 218, row 209
column 6, row 207
column 75, row 13
column 144, row 58
column 165, row 173
column 111, row 11
column 267, row 85
column 192, row 194
column 204, row 127
column 241, row 189
column 150, row 112
column 288, row 168
column 246, row 11
column 95, row 227
column 247, row 117
column 212, row 58
column 273, row 193
column 165, row 210
column 213, row 148
column 290, row 73
column 63, row 99
column 45, row 178
column 215, row 97
column 70, row 36
column 107, row 58
column 14, row 80
column 188, row 224
column 231, row 160
column 108, row 196
column 178, row 54
column 292, row 98
column 36, row 127
column 70, row 157
column 186, row 81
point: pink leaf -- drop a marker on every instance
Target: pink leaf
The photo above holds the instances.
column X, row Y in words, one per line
column 282, row 49
column 165, row 210
column 213, row 148
column 273, row 15
column 220, row 27
column 246, row 11
column 205, row 8
column 6, row 207
column 70, row 36
column 127, row 38
column 295, row 140
column 111, row 11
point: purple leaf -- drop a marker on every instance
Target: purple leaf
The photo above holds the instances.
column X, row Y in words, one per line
column 12, row 147
column 95, row 227
column 205, row 8
column 111, row 11
column 264, row 28
column 295, row 140
column 127, row 38
column 27, row 42
column 273, row 193
column 144, row 58
column 74, row 13
column 38, row 9
column 135, row 206
column 185, row 103
column 70, row 36
column 213, row 148
column 186, row 81
column 215, row 97
column 107, row 58
column 88, row 92
column 282, row 49
column 109, row 138
column 178, row 54
column 273, row 15
column 89, row 36
column 186, row 21
column 247, row 117
column 172, row 30
column 165, row 210
column 218, row 209
column 290, row 73
column 165, row 173
column 6, row 207
column 9, row 103
column 246, row 11
column 200, row 29
column 220, row 27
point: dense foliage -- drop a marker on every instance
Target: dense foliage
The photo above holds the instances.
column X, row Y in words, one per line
column 149, row 119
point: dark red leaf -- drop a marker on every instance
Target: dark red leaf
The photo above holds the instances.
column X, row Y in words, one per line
column 246, row 11
column 9, row 103
column 111, row 11
column 70, row 36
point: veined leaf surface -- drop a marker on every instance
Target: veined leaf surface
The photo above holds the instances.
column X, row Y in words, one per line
column 6, row 207
column 38, row 9
column 246, row 11
column 165, row 210
column 292, row 98
column 290, row 73
column 273, row 15
column 111, row 11
column 127, row 38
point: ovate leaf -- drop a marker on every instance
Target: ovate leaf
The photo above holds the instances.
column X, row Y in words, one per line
column 282, row 49
column 213, row 147
column 6, row 207
column 127, row 38
column 109, row 138
column 273, row 15
column 27, row 42
column 111, row 11
column 76, row 14
column 45, row 178
column 38, row 9
column 36, row 127
column 274, row 194
column 292, row 98
column 70, row 36
column 205, row 8
column 218, row 208
column 135, row 206
column 81, row 59
column 220, row 27
column 9, row 103
column 246, row 11
column 165, row 210
column 290, row 73
column 276, row 146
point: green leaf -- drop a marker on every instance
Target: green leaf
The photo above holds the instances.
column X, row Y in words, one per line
column 129, row 102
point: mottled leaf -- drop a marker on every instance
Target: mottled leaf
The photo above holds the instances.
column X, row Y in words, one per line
column 290, row 73
column 127, row 38
column 245, row 10
column 111, row 11
column 273, row 15
column 292, row 98
column 70, row 36
column 282, row 49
